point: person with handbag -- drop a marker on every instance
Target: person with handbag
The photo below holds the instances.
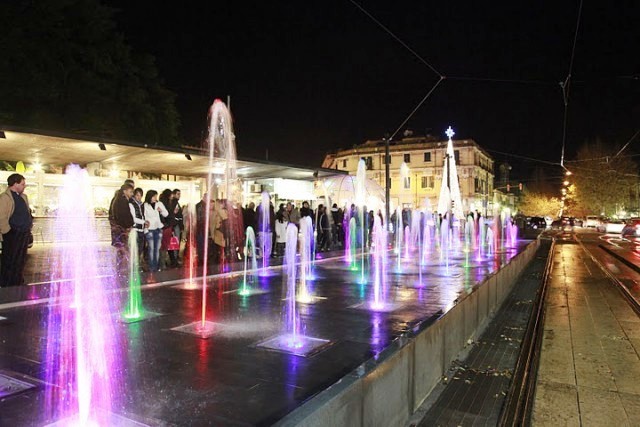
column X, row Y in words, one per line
column 168, row 231
column 153, row 210
column 15, row 229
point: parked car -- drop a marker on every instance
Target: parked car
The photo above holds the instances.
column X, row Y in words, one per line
column 535, row 223
column 612, row 226
column 592, row 221
column 631, row 228
column 577, row 222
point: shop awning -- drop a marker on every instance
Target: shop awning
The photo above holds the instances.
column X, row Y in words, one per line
column 52, row 148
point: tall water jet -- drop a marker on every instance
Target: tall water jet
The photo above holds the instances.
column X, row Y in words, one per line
column 249, row 253
column 133, row 309
column 265, row 233
column 293, row 340
column 380, row 264
column 346, row 227
column 306, row 238
column 416, row 223
column 191, row 224
column 221, row 212
column 397, row 227
column 353, row 244
column 293, row 325
column 82, row 361
column 360, row 196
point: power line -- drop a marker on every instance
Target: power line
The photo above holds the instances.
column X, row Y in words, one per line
column 500, row 80
column 417, row 107
column 524, row 157
column 388, row 31
column 628, row 142
column 566, row 85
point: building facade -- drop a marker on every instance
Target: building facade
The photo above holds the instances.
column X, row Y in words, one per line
column 420, row 181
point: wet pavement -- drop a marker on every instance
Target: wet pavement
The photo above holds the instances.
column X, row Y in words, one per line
column 590, row 362
column 172, row 378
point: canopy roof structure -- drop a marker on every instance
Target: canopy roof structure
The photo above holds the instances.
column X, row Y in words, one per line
column 53, row 148
column 342, row 191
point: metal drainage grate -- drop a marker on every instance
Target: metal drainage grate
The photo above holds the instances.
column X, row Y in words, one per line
column 12, row 384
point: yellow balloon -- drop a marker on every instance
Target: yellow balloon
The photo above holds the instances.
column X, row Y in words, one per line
column 20, row 167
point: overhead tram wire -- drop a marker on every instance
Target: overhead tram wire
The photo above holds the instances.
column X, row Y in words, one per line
column 396, row 38
column 566, row 86
column 627, row 144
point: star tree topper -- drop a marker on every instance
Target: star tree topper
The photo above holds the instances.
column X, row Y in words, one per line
column 450, row 132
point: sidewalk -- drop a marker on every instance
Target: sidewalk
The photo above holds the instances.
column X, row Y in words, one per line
column 590, row 366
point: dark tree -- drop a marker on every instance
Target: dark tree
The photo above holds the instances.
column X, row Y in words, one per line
column 65, row 67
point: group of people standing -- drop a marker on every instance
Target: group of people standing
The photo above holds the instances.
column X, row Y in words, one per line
column 157, row 220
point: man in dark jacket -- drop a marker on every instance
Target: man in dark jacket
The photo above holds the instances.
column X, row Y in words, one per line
column 15, row 229
column 121, row 223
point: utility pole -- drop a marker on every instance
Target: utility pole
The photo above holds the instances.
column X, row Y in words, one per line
column 387, row 182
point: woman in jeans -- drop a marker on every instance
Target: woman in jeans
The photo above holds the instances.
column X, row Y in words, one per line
column 152, row 211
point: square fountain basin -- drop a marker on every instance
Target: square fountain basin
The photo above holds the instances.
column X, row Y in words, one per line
column 144, row 316
column 205, row 331
column 388, row 307
column 189, row 286
column 299, row 346
column 12, row 384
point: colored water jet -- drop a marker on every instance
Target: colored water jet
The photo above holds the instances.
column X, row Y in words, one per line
column 292, row 340
column 191, row 224
column 249, row 253
column 82, row 360
column 380, row 264
column 265, row 233
column 133, row 309
column 353, row 244
column 306, row 238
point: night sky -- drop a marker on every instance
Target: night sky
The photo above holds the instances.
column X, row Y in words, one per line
column 309, row 77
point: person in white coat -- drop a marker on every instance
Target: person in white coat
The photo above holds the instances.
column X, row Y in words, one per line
column 153, row 232
column 281, row 232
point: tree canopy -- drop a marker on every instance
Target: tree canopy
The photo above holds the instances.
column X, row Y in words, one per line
column 65, row 67
column 538, row 204
column 605, row 182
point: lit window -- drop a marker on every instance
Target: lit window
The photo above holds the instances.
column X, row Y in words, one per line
column 427, row 182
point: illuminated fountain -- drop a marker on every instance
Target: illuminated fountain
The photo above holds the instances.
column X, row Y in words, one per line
column 249, row 253
column 353, row 244
column 222, row 163
column 191, row 256
column 306, row 239
column 399, row 236
column 133, row 309
column 293, row 339
column 407, row 242
column 346, row 226
column 361, row 178
column 265, row 232
column 82, row 360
